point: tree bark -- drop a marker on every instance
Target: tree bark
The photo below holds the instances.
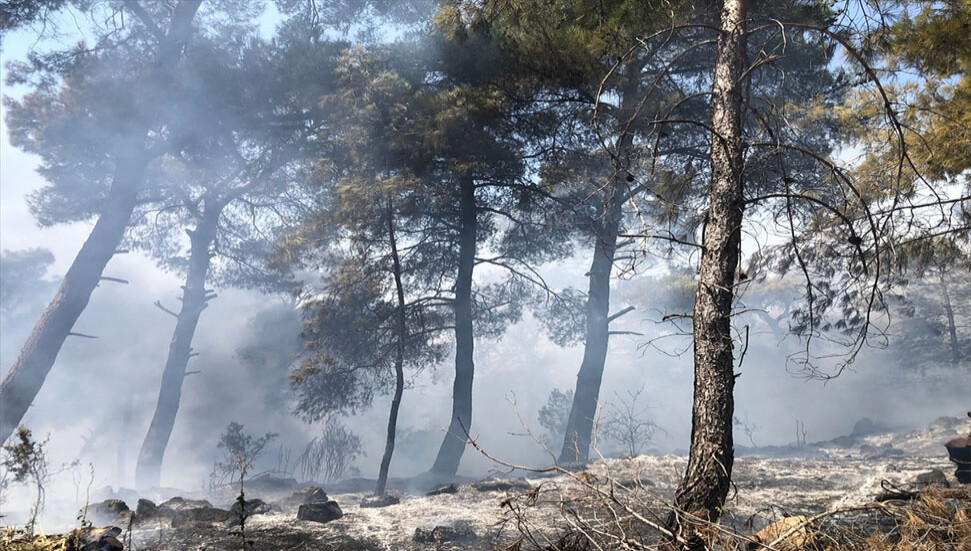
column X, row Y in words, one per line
column 399, row 360
column 29, row 371
column 706, row 482
column 951, row 327
column 579, row 427
column 453, row 445
column 148, row 470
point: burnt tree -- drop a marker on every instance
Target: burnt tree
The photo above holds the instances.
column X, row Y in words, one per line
column 705, row 485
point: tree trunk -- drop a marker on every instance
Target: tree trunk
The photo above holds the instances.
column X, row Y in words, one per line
column 705, row 485
column 29, row 371
column 453, row 445
column 399, row 360
column 148, row 470
column 951, row 328
column 579, row 427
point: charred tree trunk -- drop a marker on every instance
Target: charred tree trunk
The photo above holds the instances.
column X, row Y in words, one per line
column 951, row 328
column 453, row 445
column 148, row 470
column 399, row 359
column 706, row 482
column 29, row 371
column 579, row 427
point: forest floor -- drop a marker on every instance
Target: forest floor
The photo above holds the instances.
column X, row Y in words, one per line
column 769, row 484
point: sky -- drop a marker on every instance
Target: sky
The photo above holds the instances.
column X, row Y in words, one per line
column 86, row 401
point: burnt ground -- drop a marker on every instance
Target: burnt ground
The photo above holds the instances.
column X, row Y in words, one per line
column 768, row 484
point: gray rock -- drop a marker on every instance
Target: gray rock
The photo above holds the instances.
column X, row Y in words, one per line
column 146, row 509
column 253, row 507
column 867, row 426
column 310, row 494
column 201, row 515
column 101, row 539
column 931, row 478
column 459, row 531
column 320, row 512
column 109, row 511
column 181, row 504
column 446, row 489
column 386, row 500
column 501, row 485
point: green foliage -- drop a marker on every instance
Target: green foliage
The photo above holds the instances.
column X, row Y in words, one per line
column 553, row 416
column 19, row 13
column 25, row 461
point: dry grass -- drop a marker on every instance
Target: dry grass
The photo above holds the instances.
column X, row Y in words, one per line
column 598, row 512
column 13, row 539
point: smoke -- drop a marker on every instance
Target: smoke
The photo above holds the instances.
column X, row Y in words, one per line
column 98, row 401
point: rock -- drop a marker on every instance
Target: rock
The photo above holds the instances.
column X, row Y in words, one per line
column 109, row 511
column 945, row 423
column 386, row 500
column 320, row 512
column 180, row 504
column 253, row 507
column 201, row 515
column 799, row 539
column 310, row 494
column 867, row 426
column 959, row 451
column 931, row 478
column 446, row 489
column 101, row 539
column 146, row 509
column 501, row 485
column 107, row 492
column 458, row 531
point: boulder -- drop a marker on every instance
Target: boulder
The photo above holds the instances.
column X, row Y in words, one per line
column 109, row 511
column 799, row 539
column 101, row 539
column 931, row 478
column 181, row 504
column 320, row 512
column 501, row 485
column 446, row 489
column 201, row 515
column 959, row 451
column 310, row 494
column 867, row 426
column 146, row 509
column 252, row 507
column 372, row 502
column 458, row 531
